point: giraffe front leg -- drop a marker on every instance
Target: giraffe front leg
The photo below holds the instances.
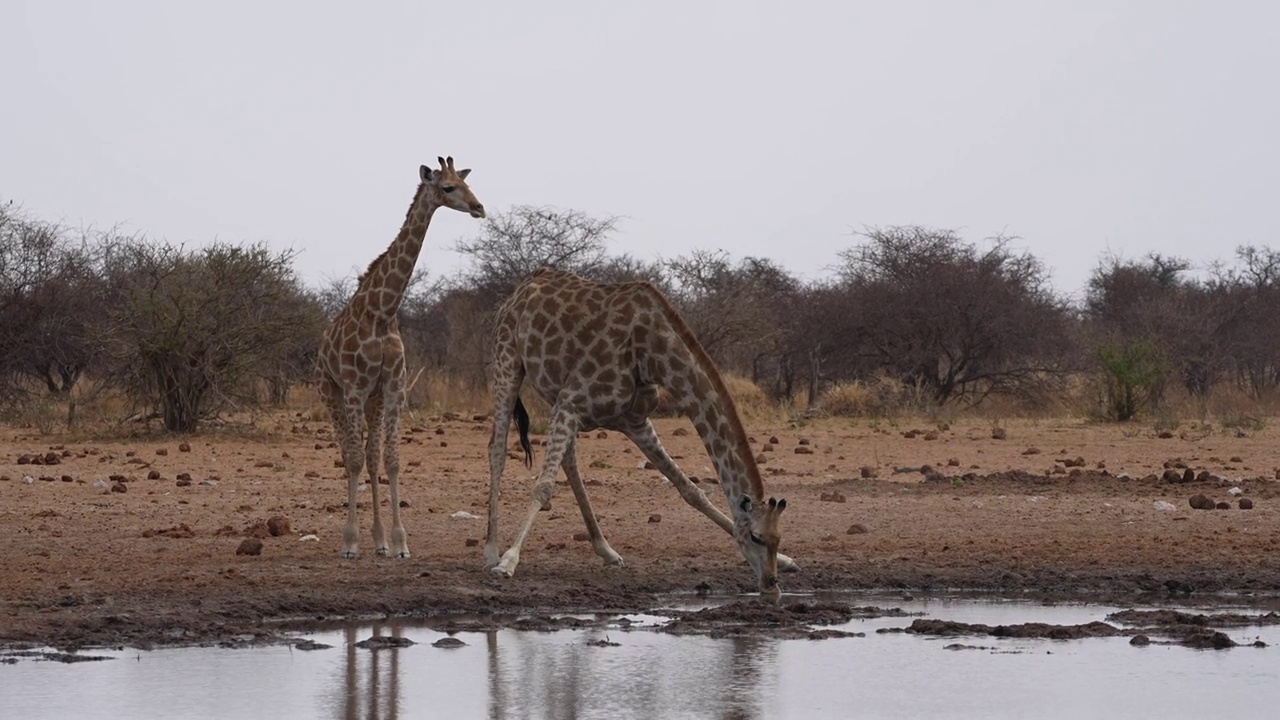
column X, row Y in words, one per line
column 507, row 378
column 391, row 462
column 598, row 543
column 374, row 421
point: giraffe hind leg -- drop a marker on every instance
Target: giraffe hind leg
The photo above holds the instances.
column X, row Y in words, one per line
column 346, row 425
column 598, row 543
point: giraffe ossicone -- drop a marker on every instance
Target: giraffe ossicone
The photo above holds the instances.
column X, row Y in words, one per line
column 598, row 353
column 360, row 371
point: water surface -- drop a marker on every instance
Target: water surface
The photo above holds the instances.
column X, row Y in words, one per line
column 648, row 674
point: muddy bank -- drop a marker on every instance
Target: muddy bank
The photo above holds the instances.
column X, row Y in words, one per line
column 134, row 541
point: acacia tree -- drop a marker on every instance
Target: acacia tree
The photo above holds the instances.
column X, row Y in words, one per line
column 194, row 330
column 51, row 304
column 932, row 310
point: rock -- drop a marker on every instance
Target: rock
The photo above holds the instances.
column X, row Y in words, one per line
column 867, row 471
column 655, row 518
column 1223, row 505
column 931, row 435
column 26, row 460
column 278, row 525
column 953, row 462
column 1188, row 475
column 67, row 478
column 249, row 546
column 1246, row 503
column 804, row 441
column 153, row 475
column 773, row 440
column 383, row 642
column 310, row 537
column 119, row 488
column 448, row 642
column 804, row 450
column 856, row 529
column 1200, row 502
column 602, row 435
column 1237, row 459
column 1235, row 491
column 834, row 496
column 1171, row 476
column 184, row 479
column 405, row 503
column 581, row 536
column 472, row 542
column 1140, row 641
column 162, row 452
column 1163, row 505
column 680, row 432
column 463, row 515
column 767, row 448
column 762, row 458
column 439, row 431
column 1165, row 434
column 1031, row 451
column 998, row 433
column 184, row 447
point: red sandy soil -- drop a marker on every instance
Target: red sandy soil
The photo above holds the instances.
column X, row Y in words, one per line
column 157, row 564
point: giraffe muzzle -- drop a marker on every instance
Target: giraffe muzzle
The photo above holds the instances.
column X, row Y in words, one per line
column 477, row 211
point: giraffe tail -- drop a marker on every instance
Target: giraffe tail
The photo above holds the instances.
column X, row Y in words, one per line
column 522, row 424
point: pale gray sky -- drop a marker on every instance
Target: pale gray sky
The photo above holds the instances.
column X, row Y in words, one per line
column 768, row 129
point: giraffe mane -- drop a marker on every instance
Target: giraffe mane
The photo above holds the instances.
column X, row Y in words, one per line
column 368, row 271
column 703, row 359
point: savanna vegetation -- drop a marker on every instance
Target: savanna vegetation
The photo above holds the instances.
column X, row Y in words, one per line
column 912, row 320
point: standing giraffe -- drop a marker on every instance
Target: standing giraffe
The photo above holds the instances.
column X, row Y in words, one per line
column 598, row 354
column 360, row 371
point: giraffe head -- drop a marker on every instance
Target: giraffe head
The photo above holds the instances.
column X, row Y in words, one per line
column 756, row 530
column 450, row 188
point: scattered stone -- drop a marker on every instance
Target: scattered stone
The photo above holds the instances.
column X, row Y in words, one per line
column 448, row 642
column 1208, row 640
column 153, row 475
column 472, row 542
column 26, row 460
column 1200, row 502
column 184, row 479
column 439, row 431
column 773, row 440
column 184, row 447
column 804, row 450
column 309, row 537
column 278, row 525
column 1222, row 505
column 1246, row 504
column 767, row 448
column 210, row 482
column 264, row 464
column 1237, row 459
column 867, row 471
column 307, row 645
column 67, row 478
column 1235, row 491
column 1031, row 451
column 1140, row 641
column 998, row 433
column 1171, row 476
column 405, row 503
column 602, row 435
column 249, row 546
column 762, row 458
column 931, row 435
column 581, row 536
column 655, row 518
column 834, row 496
column 804, row 441
column 162, row 451
column 1163, row 505
column 953, row 462
column 119, row 488
column 1164, row 434
column 1188, row 475
column 444, row 443
column 856, row 529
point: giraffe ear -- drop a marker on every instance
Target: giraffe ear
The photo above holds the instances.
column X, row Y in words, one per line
column 424, row 173
column 464, row 172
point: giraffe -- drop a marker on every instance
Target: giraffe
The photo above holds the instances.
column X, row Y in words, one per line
column 598, row 353
column 360, row 370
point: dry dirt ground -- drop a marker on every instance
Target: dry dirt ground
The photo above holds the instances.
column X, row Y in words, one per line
column 1062, row 508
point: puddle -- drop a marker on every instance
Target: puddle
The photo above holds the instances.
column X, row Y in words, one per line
column 637, row 666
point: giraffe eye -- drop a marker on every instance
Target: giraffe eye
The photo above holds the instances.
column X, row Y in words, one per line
column 756, row 539
column 449, row 188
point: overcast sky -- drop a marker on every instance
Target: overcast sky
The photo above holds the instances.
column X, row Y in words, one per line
column 769, row 129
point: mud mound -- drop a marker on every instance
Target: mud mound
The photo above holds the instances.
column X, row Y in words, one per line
column 948, row 628
column 1174, row 618
column 758, row 618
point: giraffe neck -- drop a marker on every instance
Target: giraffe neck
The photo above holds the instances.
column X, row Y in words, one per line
column 715, row 419
column 382, row 288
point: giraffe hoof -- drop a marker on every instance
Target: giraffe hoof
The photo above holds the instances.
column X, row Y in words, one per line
column 349, row 555
column 383, row 552
column 786, row 564
column 501, row 571
column 403, row 554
